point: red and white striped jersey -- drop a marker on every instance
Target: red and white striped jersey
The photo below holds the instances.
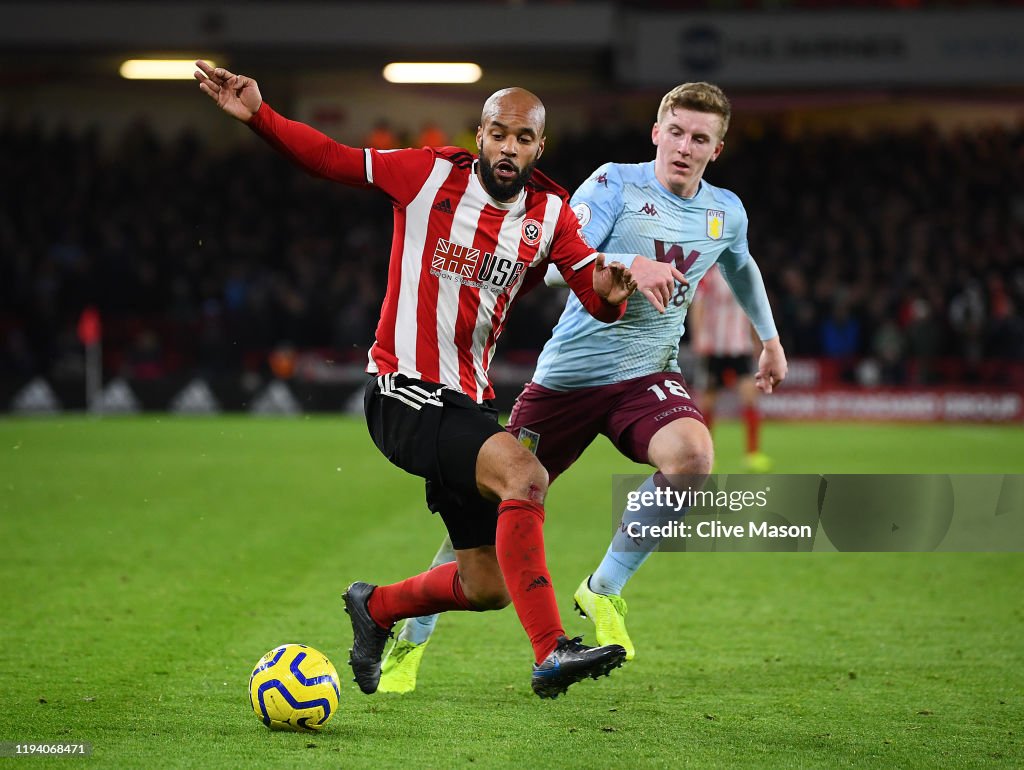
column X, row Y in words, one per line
column 459, row 258
column 721, row 328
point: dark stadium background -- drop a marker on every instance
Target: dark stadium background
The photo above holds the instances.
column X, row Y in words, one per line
column 878, row 148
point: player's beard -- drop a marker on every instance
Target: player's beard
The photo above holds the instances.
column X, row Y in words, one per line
column 504, row 191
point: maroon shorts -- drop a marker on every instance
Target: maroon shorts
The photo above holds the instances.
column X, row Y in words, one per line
column 559, row 424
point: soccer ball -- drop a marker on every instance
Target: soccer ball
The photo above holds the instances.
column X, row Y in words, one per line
column 294, row 687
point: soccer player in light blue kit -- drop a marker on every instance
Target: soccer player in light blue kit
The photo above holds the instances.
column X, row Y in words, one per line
column 623, row 379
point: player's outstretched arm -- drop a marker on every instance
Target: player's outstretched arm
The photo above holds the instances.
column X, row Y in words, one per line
column 313, row 151
column 612, row 282
column 238, row 95
column 656, row 280
column 771, row 366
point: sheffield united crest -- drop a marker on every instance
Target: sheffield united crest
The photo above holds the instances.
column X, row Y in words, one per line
column 532, row 232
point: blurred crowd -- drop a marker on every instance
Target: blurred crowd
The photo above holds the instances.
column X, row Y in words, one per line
column 904, row 250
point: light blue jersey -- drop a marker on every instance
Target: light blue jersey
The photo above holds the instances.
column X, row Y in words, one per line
column 623, row 208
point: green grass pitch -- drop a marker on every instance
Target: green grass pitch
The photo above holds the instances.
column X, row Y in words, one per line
column 148, row 563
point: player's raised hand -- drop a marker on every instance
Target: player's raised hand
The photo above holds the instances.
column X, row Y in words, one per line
column 613, row 282
column 237, row 95
column 771, row 366
column 656, row 280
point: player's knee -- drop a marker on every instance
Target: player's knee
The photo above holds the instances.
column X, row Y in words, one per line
column 526, row 478
column 691, row 461
column 508, row 470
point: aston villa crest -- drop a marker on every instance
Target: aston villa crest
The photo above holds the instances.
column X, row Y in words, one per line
column 716, row 224
column 529, row 439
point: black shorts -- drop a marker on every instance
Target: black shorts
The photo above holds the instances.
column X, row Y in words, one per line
column 436, row 433
column 723, row 371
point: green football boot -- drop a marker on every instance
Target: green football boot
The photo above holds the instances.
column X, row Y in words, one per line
column 398, row 673
column 608, row 614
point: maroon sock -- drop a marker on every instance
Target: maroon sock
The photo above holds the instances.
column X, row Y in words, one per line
column 520, row 548
column 436, row 590
column 753, row 420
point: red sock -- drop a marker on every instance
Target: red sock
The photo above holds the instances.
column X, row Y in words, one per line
column 520, row 547
column 753, row 419
column 436, row 590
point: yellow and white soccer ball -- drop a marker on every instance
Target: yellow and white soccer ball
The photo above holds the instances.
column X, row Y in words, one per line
column 294, row 687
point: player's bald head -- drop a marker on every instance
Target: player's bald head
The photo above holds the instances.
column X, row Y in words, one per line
column 514, row 103
column 510, row 139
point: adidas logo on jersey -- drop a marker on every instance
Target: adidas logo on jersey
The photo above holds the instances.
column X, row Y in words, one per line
column 444, row 206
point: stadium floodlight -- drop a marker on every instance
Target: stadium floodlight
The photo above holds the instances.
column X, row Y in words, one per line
column 159, row 69
column 432, row 72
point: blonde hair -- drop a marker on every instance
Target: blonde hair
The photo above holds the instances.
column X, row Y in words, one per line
column 700, row 97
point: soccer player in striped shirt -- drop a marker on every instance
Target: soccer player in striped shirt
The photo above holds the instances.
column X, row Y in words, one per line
column 622, row 379
column 471, row 234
